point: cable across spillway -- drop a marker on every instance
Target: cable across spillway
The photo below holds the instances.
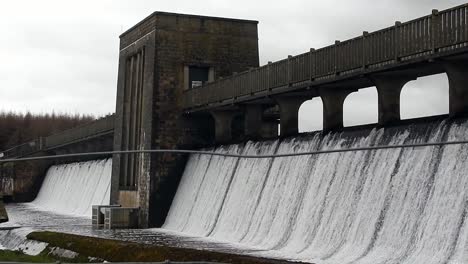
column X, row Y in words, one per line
column 203, row 152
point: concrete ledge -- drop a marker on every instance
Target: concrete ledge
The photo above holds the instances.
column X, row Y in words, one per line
column 120, row 217
column 98, row 212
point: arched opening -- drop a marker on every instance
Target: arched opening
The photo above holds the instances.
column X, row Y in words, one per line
column 361, row 107
column 311, row 115
column 426, row 96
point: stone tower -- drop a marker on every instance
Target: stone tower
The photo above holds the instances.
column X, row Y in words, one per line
column 160, row 58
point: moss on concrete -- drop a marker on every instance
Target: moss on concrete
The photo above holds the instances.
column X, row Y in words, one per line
column 114, row 250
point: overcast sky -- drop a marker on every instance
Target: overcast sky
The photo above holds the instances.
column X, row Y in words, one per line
column 62, row 55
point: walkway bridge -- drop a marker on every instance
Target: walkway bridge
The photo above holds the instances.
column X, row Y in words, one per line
column 386, row 59
column 22, row 181
column 96, row 135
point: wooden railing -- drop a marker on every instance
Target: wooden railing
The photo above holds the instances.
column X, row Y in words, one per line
column 92, row 129
column 427, row 35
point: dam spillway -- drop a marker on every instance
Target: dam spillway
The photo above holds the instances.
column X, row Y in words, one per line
column 382, row 206
column 74, row 188
column 405, row 205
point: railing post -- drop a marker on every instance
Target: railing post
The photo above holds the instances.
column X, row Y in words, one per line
column 312, row 64
column 435, row 23
column 364, row 58
column 289, row 70
column 269, row 77
column 41, row 143
column 253, row 80
column 396, row 41
column 335, row 61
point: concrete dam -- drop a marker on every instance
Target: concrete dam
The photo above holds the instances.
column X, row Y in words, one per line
column 75, row 187
column 194, row 83
column 404, row 205
column 384, row 206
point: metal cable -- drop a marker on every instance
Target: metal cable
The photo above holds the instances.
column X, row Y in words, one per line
column 202, row 152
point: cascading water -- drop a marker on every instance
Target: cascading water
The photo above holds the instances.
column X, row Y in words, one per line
column 404, row 205
column 74, row 188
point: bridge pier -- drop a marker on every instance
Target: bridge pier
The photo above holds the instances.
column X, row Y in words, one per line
column 457, row 73
column 223, row 125
column 269, row 129
column 253, row 120
column 289, row 113
column 256, row 125
column 333, row 100
column 388, row 92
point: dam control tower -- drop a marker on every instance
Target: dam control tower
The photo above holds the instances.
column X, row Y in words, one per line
column 161, row 58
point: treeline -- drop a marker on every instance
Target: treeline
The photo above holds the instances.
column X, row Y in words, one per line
column 17, row 128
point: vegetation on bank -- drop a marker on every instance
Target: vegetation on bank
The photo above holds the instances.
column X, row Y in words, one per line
column 121, row 251
column 17, row 128
column 17, row 256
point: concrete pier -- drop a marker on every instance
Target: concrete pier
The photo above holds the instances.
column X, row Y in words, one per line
column 257, row 124
column 223, row 125
column 289, row 113
column 457, row 72
column 388, row 91
column 253, row 120
column 333, row 107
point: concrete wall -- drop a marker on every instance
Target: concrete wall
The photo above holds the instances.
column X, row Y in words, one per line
column 21, row 181
column 171, row 42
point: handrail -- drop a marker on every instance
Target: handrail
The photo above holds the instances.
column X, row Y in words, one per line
column 414, row 38
column 98, row 126
column 70, row 135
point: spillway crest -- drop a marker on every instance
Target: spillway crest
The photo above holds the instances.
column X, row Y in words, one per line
column 74, row 188
column 381, row 206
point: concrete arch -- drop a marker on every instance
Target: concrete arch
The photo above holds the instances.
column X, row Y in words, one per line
column 426, row 96
column 311, row 115
column 361, row 107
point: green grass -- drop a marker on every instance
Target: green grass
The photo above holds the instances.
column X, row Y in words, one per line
column 8, row 255
column 114, row 250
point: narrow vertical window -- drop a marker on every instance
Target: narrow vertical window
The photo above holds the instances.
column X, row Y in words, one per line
column 131, row 136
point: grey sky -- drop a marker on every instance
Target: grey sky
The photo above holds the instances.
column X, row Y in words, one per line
column 62, row 55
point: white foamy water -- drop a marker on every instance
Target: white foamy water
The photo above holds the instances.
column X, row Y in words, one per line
column 382, row 206
column 74, row 188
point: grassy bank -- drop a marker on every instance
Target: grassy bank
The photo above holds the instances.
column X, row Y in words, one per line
column 113, row 250
column 8, row 255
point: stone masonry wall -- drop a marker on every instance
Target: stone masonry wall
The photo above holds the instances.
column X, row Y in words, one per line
column 227, row 45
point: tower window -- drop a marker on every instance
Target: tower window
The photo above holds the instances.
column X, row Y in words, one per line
column 198, row 76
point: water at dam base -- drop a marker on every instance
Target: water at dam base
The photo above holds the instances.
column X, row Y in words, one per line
column 381, row 206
